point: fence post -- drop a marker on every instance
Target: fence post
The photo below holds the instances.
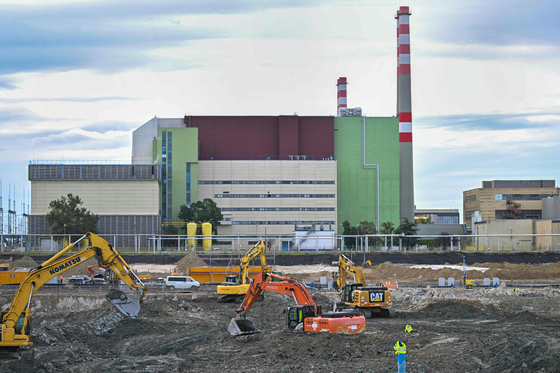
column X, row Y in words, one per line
column 451, row 243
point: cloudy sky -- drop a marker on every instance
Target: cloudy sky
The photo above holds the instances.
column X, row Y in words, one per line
column 76, row 77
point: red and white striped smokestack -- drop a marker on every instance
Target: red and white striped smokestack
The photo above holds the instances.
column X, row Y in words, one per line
column 404, row 112
column 341, row 94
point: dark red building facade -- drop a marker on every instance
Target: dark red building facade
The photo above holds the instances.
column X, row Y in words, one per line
column 262, row 137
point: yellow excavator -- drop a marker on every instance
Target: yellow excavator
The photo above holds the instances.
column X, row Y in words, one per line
column 15, row 320
column 235, row 287
column 371, row 301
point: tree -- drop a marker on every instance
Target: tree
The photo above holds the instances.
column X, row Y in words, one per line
column 202, row 212
column 407, row 228
column 387, row 228
column 443, row 240
column 66, row 216
column 363, row 228
column 368, row 227
column 426, row 220
column 171, row 229
column 349, row 230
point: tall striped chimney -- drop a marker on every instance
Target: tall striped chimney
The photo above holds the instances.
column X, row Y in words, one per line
column 404, row 112
column 341, row 95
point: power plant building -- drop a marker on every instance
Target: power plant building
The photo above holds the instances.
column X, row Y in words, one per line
column 268, row 174
column 124, row 196
column 276, row 171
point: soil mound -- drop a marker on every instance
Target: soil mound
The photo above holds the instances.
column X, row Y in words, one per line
column 189, row 260
column 449, row 309
column 25, row 262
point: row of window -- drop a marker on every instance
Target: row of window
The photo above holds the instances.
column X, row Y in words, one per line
column 166, row 176
column 274, row 195
column 448, row 220
column 522, row 197
column 278, row 209
column 236, row 222
column 266, row 182
column 523, row 214
column 469, row 199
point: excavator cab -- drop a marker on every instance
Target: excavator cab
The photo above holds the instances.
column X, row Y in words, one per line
column 296, row 315
column 347, row 292
column 231, row 279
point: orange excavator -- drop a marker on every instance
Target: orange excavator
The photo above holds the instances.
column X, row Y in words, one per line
column 305, row 315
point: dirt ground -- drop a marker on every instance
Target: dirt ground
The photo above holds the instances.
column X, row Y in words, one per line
column 454, row 330
column 390, row 272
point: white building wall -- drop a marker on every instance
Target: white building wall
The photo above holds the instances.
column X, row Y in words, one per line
column 110, row 197
column 142, row 139
column 269, row 171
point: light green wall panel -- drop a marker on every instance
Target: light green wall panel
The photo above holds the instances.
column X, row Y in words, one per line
column 184, row 150
column 357, row 183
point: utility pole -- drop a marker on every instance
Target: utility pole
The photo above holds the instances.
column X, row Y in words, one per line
column 464, row 273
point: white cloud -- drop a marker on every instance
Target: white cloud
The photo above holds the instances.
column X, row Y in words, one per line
column 253, row 58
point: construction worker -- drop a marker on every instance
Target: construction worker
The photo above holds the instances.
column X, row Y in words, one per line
column 60, row 280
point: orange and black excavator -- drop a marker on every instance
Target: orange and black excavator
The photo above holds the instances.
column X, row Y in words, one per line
column 305, row 315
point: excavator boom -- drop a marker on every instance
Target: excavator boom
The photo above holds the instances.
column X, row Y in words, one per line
column 236, row 292
column 16, row 316
column 370, row 300
column 305, row 314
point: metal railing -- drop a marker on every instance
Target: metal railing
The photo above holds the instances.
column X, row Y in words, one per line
column 157, row 244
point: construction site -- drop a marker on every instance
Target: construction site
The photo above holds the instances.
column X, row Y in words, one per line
column 507, row 327
column 274, row 274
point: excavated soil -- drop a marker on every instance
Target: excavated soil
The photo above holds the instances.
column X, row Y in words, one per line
column 389, row 272
column 189, row 260
column 24, row 262
column 454, row 330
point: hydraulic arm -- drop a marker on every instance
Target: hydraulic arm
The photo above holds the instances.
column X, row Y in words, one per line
column 236, row 291
column 305, row 314
column 369, row 300
column 15, row 319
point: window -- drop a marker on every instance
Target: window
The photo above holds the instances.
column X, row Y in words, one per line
column 278, row 209
column 237, row 222
column 266, row 182
column 274, row 195
column 469, row 199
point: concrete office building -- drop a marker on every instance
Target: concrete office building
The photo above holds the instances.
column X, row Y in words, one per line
column 124, row 196
column 438, row 216
column 507, row 199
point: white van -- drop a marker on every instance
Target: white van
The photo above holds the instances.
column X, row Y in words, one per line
column 182, row 283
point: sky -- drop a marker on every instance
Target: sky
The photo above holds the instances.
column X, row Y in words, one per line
column 77, row 77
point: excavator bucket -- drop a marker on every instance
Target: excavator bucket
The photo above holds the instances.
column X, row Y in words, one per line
column 128, row 306
column 242, row 326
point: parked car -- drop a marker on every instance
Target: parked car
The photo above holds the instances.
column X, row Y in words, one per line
column 79, row 280
column 182, row 283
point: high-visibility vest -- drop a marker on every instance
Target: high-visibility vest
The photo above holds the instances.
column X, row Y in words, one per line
column 400, row 348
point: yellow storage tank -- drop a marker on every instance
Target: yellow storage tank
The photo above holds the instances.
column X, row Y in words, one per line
column 191, row 232
column 206, row 236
